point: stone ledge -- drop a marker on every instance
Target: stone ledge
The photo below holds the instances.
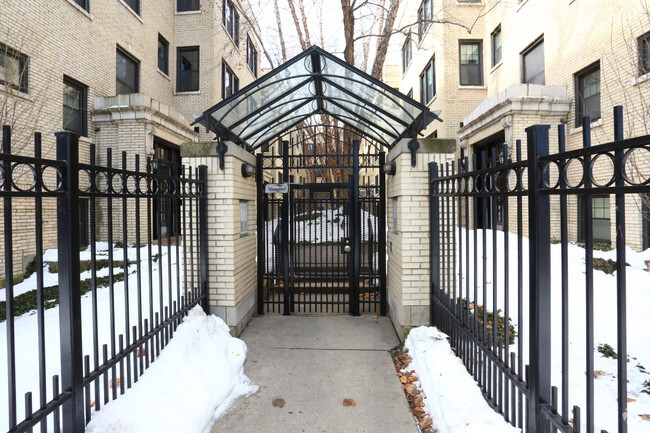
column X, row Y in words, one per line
column 206, row 149
column 406, row 317
column 237, row 317
column 427, row 145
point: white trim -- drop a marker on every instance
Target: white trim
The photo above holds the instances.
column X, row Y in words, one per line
column 638, row 80
column 163, row 74
column 132, row 11
column 191, row 92
column 432, row 99
column 594, row 124
column 80, row 9
column 483, row 87
column 196, row 12
column 470, row 3
column 495, row 67
column 521, row 5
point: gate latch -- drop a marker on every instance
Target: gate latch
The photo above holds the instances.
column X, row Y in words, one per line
column 346, row 246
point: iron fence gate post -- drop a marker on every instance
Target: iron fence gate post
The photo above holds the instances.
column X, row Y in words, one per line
column 539, row 384
column 261, row 260
column 203, row 236
column 434, row 242
column 286, row 310
column 355, row 230
column 381, row 232
column 67, row 149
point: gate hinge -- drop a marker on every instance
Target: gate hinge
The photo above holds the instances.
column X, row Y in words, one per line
column 413, row 147
column 222, row 148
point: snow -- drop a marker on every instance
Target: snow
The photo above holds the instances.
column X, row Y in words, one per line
column 197, row 376
column 638, row 299
column 162, row 292
column 453, row 400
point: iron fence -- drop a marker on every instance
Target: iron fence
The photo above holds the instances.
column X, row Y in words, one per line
column 119, row 302
column 497, row 305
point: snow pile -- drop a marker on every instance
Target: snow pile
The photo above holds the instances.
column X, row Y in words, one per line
column 453, row 400
column 195, row 379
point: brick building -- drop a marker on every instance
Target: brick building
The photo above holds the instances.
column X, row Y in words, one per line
column 124, row 74
column 533, row 62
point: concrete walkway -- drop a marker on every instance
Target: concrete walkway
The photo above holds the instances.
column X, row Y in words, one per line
column 306, row 366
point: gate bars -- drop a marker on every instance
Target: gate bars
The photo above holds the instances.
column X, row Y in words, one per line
column 153, row 307
column 479, row 324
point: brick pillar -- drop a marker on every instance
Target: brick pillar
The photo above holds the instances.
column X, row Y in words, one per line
column 232, row 271
column 407, row 210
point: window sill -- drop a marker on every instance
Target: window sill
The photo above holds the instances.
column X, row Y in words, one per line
column 497, row 66
column 189, row 92
column 407, row 68
column 196, row 12
column 163, row 74
column 17, row 93
column 84, row 139
column 469, row 3
column 481, row 87
column 132, row 11
column 594, row 124
column 638, row 80
column 244, row 234
column 80, row 9
column 252, row 73
column 432, row 100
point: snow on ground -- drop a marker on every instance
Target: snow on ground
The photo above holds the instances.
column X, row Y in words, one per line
column 638, row 300
column 163, row 293
column 453, row 400
column 202, row 369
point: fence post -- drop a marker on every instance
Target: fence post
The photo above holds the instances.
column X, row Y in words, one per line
column 261, row 241
column 539, row 232
column 203, row 236
column 67, row 149
column 434, row 243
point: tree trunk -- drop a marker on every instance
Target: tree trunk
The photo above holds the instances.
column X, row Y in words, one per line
column 348, row 29
column 382, row 44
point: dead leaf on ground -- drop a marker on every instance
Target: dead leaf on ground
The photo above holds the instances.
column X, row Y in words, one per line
column 375, row 322
column 645, row 417
column 403, row 379
column 598, row 373
column 375, row 317
column 349, row 402
column 257, row 315
column 117, row 383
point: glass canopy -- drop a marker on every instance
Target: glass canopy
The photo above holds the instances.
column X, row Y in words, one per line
column 311, row 83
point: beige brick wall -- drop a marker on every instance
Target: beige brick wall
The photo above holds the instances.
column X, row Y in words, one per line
column 576, row 34
column 61, row 39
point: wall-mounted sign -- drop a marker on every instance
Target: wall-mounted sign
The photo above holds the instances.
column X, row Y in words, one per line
column 276, row 188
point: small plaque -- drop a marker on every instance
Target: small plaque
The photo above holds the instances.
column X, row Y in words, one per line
column 325, row 195
column 276, row 188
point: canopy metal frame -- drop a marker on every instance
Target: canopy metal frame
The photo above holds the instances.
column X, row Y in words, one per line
column 359, row 100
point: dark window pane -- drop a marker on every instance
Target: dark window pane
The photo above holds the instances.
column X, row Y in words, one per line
column 231, row 20
column 406, row 53
column 82, row 3
column 588, row 95
column 187, row 5
column 425, row 14
column 126, row 72
column 230, row 82
column 134, row 4
column 496, row 46
column 470, row 64
column 428, row 83
column 534, row 65
column 74, row 107
column 163, row 55
column 13, row 69
column 251, row 56
column 188, row 69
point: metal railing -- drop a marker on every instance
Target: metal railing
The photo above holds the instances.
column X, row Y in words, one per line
column 114, row 316
column 477, row 289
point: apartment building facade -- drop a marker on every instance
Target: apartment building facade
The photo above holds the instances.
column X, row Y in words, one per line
column 495, row 68
column 124, row 74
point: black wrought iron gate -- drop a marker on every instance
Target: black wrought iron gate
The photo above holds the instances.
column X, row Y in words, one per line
column 322, row 247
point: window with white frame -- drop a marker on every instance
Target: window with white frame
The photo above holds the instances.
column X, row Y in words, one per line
column 407, row 53
column 496, row 46
column 428, row 82
column 533, row 63
column 231, row 20
column 13, row 69
column 425, row 15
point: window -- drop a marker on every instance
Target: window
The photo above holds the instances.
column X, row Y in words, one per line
column 425, row 15
column 127, row 71
column 243, row 217
column 588, row 94
column 187, row 74
column 533, row 63
column 471, row 63
column 187, row 5
column 600, row 216
column 644, row 54
column 13, row 69
column 428, row 82
column 75, row 97
column 251, row 56
column 496, row 46
column 163, row 55
column 406, row 53
column 231, row 20
column 82, row 3
column 133, row 4
column 229, row 81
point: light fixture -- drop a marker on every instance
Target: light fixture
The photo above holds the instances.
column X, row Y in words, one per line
column 390, row 168
column 247, row 170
